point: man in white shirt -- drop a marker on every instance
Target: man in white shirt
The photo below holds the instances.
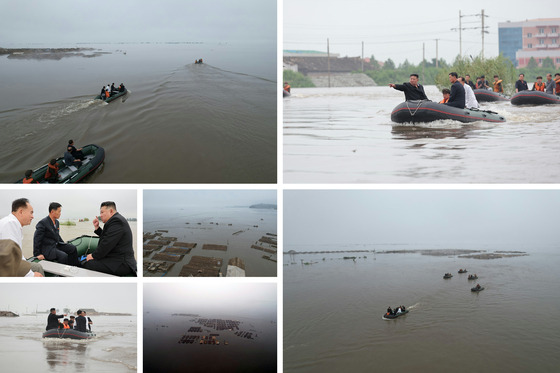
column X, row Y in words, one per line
column 11, row 228
column 470, row 98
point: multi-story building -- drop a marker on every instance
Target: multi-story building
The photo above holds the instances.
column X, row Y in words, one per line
column 536, row 38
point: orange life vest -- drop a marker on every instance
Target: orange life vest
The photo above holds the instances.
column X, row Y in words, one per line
column 66, row 326
column 107, row 93
column 28, row 181
column 287, row 87
column 51, row 171
column 444, row 100
column 539, row 87
column 498, row 87
column 557, row 80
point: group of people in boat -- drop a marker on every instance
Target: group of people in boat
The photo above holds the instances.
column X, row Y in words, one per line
column 473, row 277
column 114, row 253
column 110, row 90
column 460, row 95
column 82, row 323
column 550, row 86
column 72, row 157
column 396, row 311
column 198, row 61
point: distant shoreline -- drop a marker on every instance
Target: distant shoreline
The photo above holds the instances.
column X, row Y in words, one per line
column 50, row 53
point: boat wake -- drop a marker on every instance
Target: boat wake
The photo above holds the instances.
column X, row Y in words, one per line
column 238, row 73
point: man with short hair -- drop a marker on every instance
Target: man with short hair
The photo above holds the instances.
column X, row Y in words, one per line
column 539, row 85
column 550, row 84
column 11, row 228
column 76, row 153
column 52, row 319
column 114, row 254
column 557, row 83
column 81, row 322
column 498, row 85
column 412, row 90
column 469, row 81
column 457, row 97
column 521, row 84
column 470, row 98
column 47, row 243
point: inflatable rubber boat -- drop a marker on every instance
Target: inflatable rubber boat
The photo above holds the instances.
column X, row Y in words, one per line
column 423, row 111
column 67, row 334
column 391, row 317
column 534, row 98
column 484, row 95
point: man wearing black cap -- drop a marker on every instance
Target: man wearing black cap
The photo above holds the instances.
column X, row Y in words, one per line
column 52, row 320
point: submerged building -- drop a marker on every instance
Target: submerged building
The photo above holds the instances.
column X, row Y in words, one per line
column 535, row 38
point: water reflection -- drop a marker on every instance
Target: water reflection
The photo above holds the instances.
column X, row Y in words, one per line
column 417, row 132
column 71, row 355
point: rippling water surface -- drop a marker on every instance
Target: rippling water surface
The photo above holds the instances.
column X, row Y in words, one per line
column 333, row 313
column 180, row 122
column 112, row 350
column 345, row 135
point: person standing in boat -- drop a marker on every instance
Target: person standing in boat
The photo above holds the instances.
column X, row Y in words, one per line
column 89, row 322
column 52, row 319
column 549, row 84
column 81, row 323
column 470, row 98
column 521, row 84
column 47, row 243
column 498, row 85
column 538, row 85
column 412, row 90
column 102, row 94
column 114, row 254
column 457, row 97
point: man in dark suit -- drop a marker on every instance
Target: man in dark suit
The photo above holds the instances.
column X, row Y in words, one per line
column 52, row 320
column 47, row 243
column 114, row 253
column 81, row 323
column 457, row 97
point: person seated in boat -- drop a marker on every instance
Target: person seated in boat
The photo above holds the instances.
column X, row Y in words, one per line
column 389, row 311
column 478, row 286
column 398, row 310
column 81, row 322
column 403, row 308
column 287, row 87
column 557, row 82
column 107, row 91
column 482, row 83
column 521, row 84
column 470, row 98
column 445, row 92
column 72, row 321
column 549, row 84
column 51, row 175
column 76, row 153
column 498, row 85
column 412, row 90
column 52, row 319
column 113, row 89
column 457, row 97
column 28, row 179
column 102, row 94
column 71, row 161
column 65, row 324
column 469, row 81
column 538, row 85
column 122, row 88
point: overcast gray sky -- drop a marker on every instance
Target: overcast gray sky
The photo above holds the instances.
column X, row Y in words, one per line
column 102, row 297
column 70, row 21
column 397, row 29
column 76, row 204
column 206, row 198
column 214, row 297
column 421, row 216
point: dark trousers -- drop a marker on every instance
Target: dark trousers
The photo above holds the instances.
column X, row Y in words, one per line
column 78, row 155
column 99, row 265
column 66, row 253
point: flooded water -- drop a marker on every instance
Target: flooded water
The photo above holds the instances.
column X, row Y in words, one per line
column 180, row 122
column 114, row 349
column 236, row 227
column 333, row 311
column 345, row 135
column 69, row 232
column 163, row 353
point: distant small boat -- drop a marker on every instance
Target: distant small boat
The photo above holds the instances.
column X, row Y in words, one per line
column 534, row 98
column 476, row 290
column 94, row 157
column 67, row 334
column 113, row 97
column 447, row 275
column 462, row 271
column 471, row 277
column 391, row 317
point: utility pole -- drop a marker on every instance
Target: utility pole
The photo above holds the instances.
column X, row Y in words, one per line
column 437, row 55
column 328, row 65
column 460, row 37
column 362, row 56
column 423, row 61
column 483, row 30
column 461, row 28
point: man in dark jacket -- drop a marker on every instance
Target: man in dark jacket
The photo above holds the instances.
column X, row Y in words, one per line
column 81, row 322
column 52, row 320
column 457, row 97
column 521, row 84
column 114, row 254
column 47, row 243
column 412, row 90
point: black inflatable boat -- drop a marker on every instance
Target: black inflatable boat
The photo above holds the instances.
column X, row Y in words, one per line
column 484, row 95
column 391, row 317
column 534, row 98
column 67, row 334
column 422, row 111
